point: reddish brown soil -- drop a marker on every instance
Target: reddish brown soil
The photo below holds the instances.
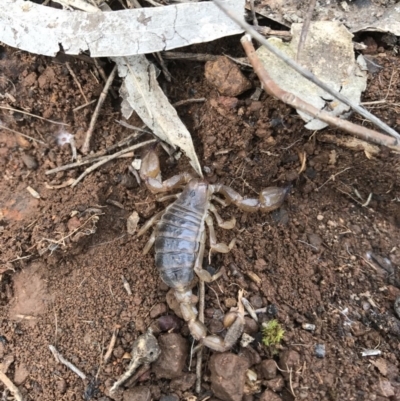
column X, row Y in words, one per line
column 311, row 257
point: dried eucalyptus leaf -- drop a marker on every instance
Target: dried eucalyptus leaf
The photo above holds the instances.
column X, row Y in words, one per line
column 328, row 53
column 142, row 93
column 42, row 30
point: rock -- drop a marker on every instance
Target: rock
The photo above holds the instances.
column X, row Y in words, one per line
column 250, row 326
column 230, row 302
column 268, row 369
column 276, row 384
column 320, row 350
column 226, row 77
column 29, row 161
column 269, row 395
column 61, row 386
column 183, row 383
column 158, row 310
column 170, row 323
column 140, row 393
column 316, row 241
column 174, row 350
column 21, row 374
column 289, row 359
column 30, row 79
column 252, row 356
column 228, row 375
column 256, row 301
column 171, row 397
column 397, row 306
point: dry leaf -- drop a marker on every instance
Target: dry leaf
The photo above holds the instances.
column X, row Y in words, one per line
column 142, row 93
column 43, row 30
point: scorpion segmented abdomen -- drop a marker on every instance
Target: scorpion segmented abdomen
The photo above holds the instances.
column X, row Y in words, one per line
column 177, row 245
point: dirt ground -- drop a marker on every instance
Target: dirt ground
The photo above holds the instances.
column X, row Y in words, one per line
column 328, row 257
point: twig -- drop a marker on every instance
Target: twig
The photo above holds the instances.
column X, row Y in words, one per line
column 266, row 31
column 11, row 386
column 188, row 101
column 292, row 100
column 71, row 71
column 103, row 95
column 164, row 68
column 332, row 177
column 189, row 56
column 106, row 159
column 253, row 13
column 104, row 77
column 307, row 74
column 304, row 29
column 84, row 105
column 199, row 361
column 111, row 346
column 92, row 158
column 59, row 358
column 32, row 115
column 20, row 133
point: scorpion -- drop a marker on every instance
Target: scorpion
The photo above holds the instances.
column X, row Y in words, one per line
column 179, row 238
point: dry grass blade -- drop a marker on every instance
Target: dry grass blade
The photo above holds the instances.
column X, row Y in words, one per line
column 32, row 115
column 311, row 77
column 273, row 89
column 11, row 386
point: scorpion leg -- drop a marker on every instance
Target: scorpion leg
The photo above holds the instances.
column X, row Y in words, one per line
column 269, row 199
column 214, row 246
column 228, row 224
column 149, row 223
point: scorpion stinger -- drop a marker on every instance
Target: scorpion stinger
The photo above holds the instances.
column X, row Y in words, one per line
column 179, row 239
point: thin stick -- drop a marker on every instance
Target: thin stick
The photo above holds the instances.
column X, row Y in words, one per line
column 11, row 386
column 106, row 159
column 307, row 74
column 104, row 76
column 71, row 71
column 188, row 101
column 92, row 158
column 164, row 68
column 20, row 133
column 84, row 105
column 199, row 361
column 253, row 13
column 111, row 346
column 292, row 100
column 103, row 95
column 32, row 115
column 304, row 29
column 59, row 358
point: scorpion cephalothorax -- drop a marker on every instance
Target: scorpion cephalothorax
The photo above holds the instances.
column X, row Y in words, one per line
column 179, row 238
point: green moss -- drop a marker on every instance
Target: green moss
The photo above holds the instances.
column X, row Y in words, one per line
column 272, row 333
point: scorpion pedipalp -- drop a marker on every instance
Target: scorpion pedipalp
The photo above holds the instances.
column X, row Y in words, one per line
column 179, row 239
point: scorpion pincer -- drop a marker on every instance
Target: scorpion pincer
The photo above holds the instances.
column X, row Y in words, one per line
column 179, row 238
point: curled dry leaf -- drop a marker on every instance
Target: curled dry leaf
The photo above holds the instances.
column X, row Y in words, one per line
column 334, row 64
column 142, row 93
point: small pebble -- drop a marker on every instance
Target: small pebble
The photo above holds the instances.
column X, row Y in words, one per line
column 158, row 310
column 397, row 306
column 320, row 217
column 169, row 323
column 230, row 302
column 308, row 326
column 29, row 161
column 272, row 310
column 320, row 350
